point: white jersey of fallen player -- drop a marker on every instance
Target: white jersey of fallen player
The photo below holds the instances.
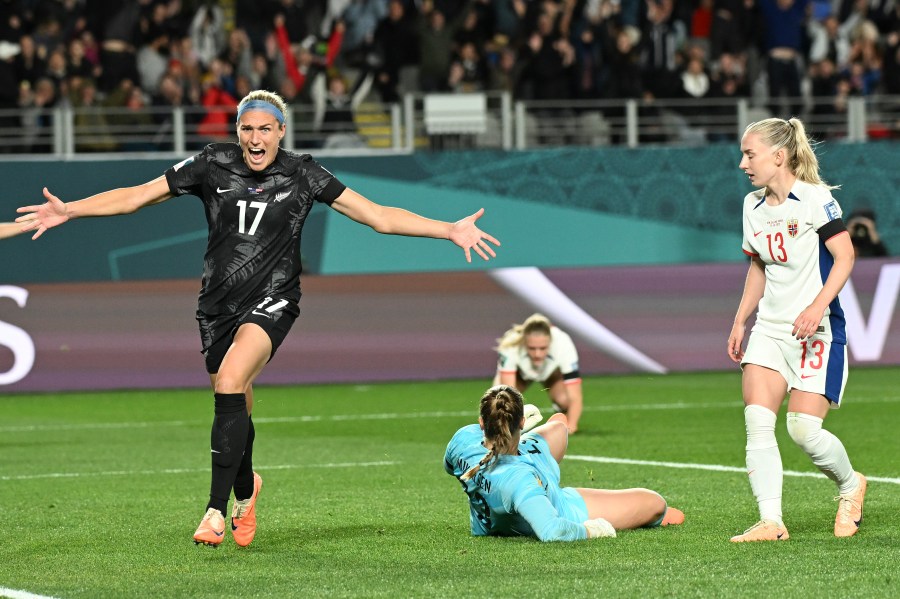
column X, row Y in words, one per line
column 786, row 239
column 561, row 355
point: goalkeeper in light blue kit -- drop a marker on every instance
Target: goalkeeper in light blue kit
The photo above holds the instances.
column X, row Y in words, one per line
column 512, row 479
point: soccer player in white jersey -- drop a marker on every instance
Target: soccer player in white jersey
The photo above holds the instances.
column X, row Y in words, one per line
column 800, row 257
column 536, row 350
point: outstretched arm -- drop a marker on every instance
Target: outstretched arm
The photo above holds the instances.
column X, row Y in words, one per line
column 9, row 230
column 123, row 200
column 396, row 221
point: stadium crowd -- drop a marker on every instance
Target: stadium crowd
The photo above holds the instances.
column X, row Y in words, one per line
column 167, row 53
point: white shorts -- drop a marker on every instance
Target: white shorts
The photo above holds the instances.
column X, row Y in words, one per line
column 813, row 365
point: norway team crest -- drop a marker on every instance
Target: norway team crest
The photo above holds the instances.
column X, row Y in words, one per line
column 792, row 227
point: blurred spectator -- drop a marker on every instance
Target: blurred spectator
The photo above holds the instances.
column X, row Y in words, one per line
column 594, row 40
column 828, row 39
column 891, row 65
column 254, row 17
column 625, row 69
column 30, row 61
column 474, row 27
column 48, row 33
column 784, row 22
column 305, row 60
column 77, row 64
column 396, row 43
column 863, row 69
column 92, row 128
column 879, row 12
column 131, row 121
column 436, row 36
column 221, row 110
column 731, row 67
column 207, row 32
column 662, row 39
column 152, row 60
column 695, row 80
column 37, row 101
column 509, row 19
column 468, row 71
column 261, row 75
column 335, row 106
column 13, row 20
column 57, row 69
column 504, row 74
column 361, row 18
column 731, row 30
column 864, row 234
column 295, row 22
column 238, row 53
column 117, row 25
column 548, row 59
column 701, row 23
column 9, row 90
column 823, row 77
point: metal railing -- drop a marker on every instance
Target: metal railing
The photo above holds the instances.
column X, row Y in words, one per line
column 494, row 122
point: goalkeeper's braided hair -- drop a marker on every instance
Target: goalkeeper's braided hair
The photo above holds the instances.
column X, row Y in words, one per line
column 502, row 409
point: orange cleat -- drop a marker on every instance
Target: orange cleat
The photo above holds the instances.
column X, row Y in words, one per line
column 211, row 530
column 673, row 517
column 764, row 530
column 850, row 510
column 243, row 515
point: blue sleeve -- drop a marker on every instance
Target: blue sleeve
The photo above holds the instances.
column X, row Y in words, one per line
column 529, row 499
column 546, row 523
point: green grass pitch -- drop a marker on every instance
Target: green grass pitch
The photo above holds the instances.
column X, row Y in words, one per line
column 101, row 492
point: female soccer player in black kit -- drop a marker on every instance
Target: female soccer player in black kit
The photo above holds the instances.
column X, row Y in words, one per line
column 256, row 197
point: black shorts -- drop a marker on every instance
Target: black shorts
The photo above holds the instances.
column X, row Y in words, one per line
column 275, row 316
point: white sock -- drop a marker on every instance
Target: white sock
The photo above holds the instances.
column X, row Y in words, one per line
column 764, row 461
column 826, row 450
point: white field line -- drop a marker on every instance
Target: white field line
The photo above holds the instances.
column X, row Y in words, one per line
column 14, row 594
column 709, row 467
column 736, row 404
column 190, row 470
column 581, row 458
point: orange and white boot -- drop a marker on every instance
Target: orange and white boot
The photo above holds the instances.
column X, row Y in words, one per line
column 243, row 515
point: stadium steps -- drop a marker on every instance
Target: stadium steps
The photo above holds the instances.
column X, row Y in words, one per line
column 374, row 125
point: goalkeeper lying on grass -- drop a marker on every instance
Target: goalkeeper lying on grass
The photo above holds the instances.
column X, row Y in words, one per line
column 512, row 479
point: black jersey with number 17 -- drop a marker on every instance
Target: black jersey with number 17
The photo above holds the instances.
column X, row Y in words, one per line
column 255, row 220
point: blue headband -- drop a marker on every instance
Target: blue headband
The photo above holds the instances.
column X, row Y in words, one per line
column 262, row 106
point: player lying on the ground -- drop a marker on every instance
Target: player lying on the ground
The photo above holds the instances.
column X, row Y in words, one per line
column 513, row 480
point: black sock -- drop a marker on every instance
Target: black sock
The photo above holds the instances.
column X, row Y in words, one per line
column 243, row 484
column 227, row 441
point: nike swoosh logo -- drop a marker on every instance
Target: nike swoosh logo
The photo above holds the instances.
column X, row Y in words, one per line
column 219, row 534
column 233, row 526
column 757, row 233
column 266, row 314
column 807, row 376
column 214, row 451
column 220, row 190
column 781, row 534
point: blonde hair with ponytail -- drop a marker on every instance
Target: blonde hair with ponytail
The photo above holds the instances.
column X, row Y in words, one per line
column 502, row 409
column 536, row 323
column 791, row 135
